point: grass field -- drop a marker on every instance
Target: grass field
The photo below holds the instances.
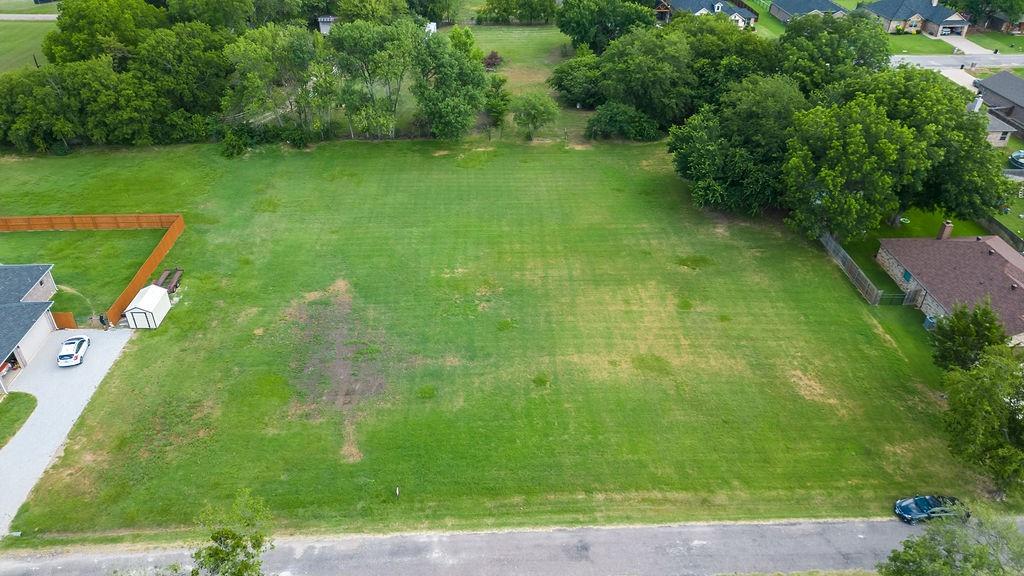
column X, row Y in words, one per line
column 27, row 7
column 917, row 44
column 15, row 408
column 19, row 41
column 769, row 26
column 986, row 72
column 94, row 266
column 1005, row 43
column 508, row 335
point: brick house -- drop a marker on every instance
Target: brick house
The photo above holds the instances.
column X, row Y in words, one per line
column 944, row 271
column 927, row 16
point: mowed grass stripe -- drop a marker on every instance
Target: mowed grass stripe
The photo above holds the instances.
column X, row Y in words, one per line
column 564, row 338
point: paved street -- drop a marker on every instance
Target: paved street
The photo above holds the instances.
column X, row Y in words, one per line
column 29, row 17
column 61, row 395
column 954, row 61
column 680, row 550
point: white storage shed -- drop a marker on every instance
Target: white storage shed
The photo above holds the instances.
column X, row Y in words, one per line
column 148, row 308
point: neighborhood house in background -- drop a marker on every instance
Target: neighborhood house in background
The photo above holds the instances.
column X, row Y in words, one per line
column 740, row 16
column 999, row 132
column 1004, row 95
column 944, row 271
column 786, row 10
column 25, row 319
column 927, row 16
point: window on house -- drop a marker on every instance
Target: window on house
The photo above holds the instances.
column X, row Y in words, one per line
column 40, row 282
column 1004, row 136
column 718, row 7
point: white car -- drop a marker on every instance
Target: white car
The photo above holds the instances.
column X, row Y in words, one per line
column 72, row 352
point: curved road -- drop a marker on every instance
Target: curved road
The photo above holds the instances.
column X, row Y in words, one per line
column 677, row 550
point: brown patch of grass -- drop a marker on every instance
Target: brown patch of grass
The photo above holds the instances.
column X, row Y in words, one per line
column 350, row 450
column 580, row 146
column 441, row 153
column 810, row 389
column 259, row 331
column 883, row 334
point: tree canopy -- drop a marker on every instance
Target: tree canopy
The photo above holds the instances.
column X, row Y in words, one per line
column 596, row 23
column 960, row 338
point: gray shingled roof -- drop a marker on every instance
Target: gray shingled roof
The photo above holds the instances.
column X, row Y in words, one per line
column 962, row 271
column 16, row 317
column 1006, row 84
column 15, row 320
column 694, row 6
column 997, row 125
column 17, row 280
column 904, row 9
column 797, row 7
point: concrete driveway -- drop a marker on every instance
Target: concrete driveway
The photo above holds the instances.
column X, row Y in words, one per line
column 61, row 395
column 965, row 45
column 961, row 77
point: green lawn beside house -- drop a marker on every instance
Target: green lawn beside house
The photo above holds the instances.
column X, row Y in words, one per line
column 91, row 268
column 424, row 335
column 27, row 7
column 1005, row 43
column 15, row 408
column 917, row 44
column 20, row 41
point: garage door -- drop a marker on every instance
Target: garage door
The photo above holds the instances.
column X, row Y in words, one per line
column 35, row 337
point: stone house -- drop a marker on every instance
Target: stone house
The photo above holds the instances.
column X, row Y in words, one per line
column 944, row 271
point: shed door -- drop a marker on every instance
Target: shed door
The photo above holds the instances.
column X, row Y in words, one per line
column 141, row 320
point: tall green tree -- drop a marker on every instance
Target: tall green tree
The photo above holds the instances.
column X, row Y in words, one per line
column 186, row 65
column 749, row 128
column 238, row 539
column 90, row 28
column 986, row 415
column 231, row 14
column 497, row 100
column 843, row 167
column 578, row 80
column 960, row 338
column 532, row 111
column 382, row 11
column 981, row 10
column 449, row 87
column 961, row 174
column 598, row 22
column 986, row 545
column 649, row 69
column 437, row 10
column 819, row 50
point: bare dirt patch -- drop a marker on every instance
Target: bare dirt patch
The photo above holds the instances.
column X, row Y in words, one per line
column 441, row 153
column 579, row 146
column 810, row 389
column 342, row 365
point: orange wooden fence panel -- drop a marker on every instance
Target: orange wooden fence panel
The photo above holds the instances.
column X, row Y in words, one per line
column 174, row 224
column 146, row 270
column 86, row 222
column 64, row 320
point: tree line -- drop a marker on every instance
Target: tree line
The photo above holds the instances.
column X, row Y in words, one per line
column 815, row 124
column 138, row 72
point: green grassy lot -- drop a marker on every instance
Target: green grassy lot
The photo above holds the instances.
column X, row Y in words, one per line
column 19, row 41
column 769, row 26
column 986, row 72
column 91, row 268
column 1005, row 43
column 556, row 334
column 15, row 408
column 921, row 225
column 27, row 7
column 529, row 52
column 917, row 44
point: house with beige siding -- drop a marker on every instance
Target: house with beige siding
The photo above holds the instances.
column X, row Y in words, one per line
column 25, row 320
column 919, row 16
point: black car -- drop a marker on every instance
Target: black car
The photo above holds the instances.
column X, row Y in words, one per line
column 1017, row 159
column 913, row 510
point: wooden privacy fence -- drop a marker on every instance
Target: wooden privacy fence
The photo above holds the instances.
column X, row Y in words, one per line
column 64, row 320
column 174, row 223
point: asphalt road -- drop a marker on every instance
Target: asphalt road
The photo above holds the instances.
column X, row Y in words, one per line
column 29, row 17
column 954, row 61
column 679, row 550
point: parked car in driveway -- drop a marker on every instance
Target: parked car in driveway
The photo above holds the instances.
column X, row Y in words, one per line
column 1017, row 159
column 918, row 508
column 72, row 351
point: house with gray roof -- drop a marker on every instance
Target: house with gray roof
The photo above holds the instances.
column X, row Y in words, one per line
column 786, row 10
column 742, row 17
column 998, row 131
column 914, row 16
column 1003, row 93
column 944, row 272
column 25, row 320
